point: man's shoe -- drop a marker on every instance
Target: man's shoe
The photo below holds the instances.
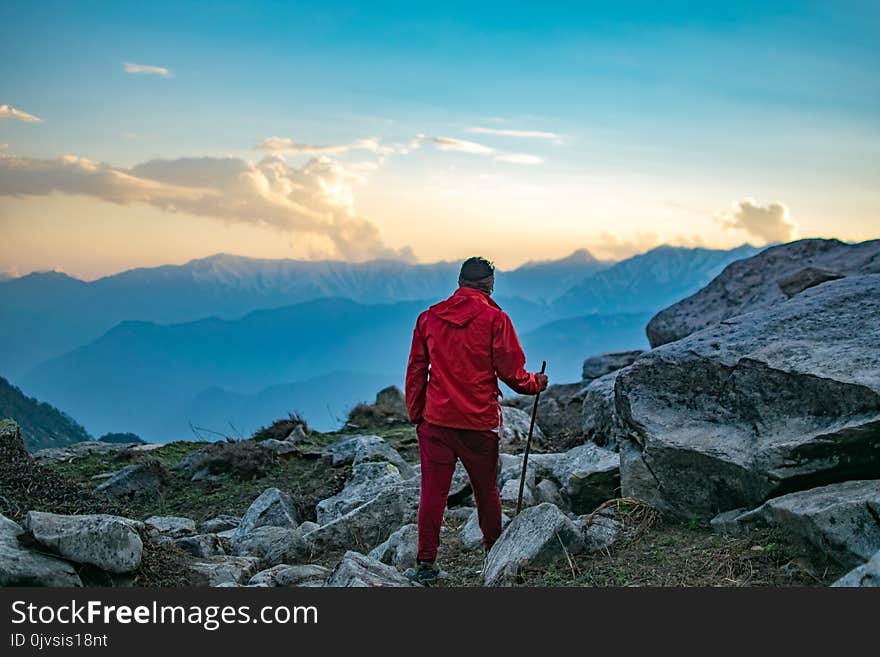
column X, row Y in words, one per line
column 425, row 573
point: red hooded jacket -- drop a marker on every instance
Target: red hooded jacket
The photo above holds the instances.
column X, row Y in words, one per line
column 460, row 348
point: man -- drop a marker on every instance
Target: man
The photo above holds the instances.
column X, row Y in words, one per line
column 460, row 348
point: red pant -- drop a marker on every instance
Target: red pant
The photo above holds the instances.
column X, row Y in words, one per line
column 438, row 449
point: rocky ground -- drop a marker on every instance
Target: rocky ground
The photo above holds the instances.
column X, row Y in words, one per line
column 745, row 451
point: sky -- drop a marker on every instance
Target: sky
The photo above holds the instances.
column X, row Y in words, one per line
column 139, row 134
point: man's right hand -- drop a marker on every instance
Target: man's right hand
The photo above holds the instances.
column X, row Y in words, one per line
column 542, row 379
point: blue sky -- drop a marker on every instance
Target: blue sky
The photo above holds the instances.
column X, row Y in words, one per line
column 655, row 106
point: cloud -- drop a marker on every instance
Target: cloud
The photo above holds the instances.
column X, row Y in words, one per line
column 521, row 134
column 7, row 112
column 146, row 69
column 286, row 145
column 519, row 158
column 474, row 148
column 314, row 199
column 460, row 146
column 770, row 223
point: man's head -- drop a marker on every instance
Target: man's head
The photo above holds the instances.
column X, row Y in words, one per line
column 477, row 273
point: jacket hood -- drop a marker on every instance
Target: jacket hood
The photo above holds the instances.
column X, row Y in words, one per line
column 463, row 306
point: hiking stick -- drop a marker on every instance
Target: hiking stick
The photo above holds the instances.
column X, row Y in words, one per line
column 522, row 478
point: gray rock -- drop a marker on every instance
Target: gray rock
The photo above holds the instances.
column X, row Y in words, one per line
column 780, row 398
column 510, row 494
column 298, row 436
column 20, row 566
column 548, row 491
column 727, row 522
column 587, row 475
column 600, row 422
column 768, row 278
column 220, row 524
column 201, row 545
column 460, row 514
column 866, row 575
column 369, row 524
column 278, row 447
column 141, row 479
column 515, row 428
column 538, row 536
column 400, row 548
column 310, row 575
column 172, row 526
column 367, row 480
column 223, row 571
column 271, row 545
column 510, row 469
column 77, row 450
column 604, row 364
column 600, row 530
column 471, row 534
column 273, row 508
column 365, row 449
column 358, row 570
column 108, row 542
column 840, row 520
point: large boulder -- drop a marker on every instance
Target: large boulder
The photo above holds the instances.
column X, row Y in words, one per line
column 839, row 520
column 20, row 566
column 587, row 475
column 367, row 480
column 400, row 548
column 354, row 450
column 273, row 508
column 780, row 399
column 140, row 479
column 357, row 570
column 308, row 575
column 109, row 542
column 866, row 575
column 223, row 570
column 604, row 364
column 538, row 536
column 389, row 408
column 768, row 278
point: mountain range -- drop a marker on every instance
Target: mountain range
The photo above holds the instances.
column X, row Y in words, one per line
column 219, row 341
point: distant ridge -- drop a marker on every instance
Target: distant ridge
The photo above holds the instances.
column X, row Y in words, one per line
column 42, row 425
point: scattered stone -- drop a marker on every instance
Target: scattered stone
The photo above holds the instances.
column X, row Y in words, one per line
column 515, row 428
column 278, row 447
column 310, row 575
column 400, row 548
column 587, row 475
column 108, row 542
column 536, row 537
column 271, row 545
column 77, row 450
column 600, row 530
column 364, row 449
column 201, row 545
column 510, row 493
column 866, row 575
column 223, row 570
column 358, row 570
column 172, row 526
column 367, row 480
column 134, row 480
column 273, row 508
column 471, row 534
column 559, row 412
column 23, row 567
column 547, row 491
column 220, row 524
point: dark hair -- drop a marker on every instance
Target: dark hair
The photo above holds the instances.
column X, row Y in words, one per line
column 475, row 269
